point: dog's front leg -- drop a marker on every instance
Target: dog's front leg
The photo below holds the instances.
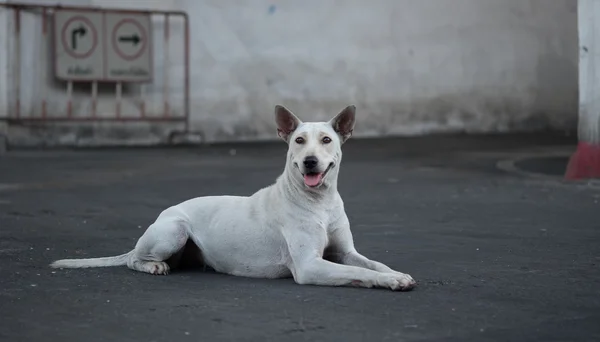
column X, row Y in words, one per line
column 309, row 268
column 318, row 271
column 343, row 251
column 356, row 259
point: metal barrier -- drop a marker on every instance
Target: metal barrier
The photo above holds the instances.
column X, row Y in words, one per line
column 106, row 89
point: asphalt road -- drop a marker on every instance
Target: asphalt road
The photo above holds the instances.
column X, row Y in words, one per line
column 498, row 256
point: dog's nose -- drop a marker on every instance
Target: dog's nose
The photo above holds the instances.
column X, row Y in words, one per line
column 310, row 162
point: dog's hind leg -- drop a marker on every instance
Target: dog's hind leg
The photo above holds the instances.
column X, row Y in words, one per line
column 163, row 240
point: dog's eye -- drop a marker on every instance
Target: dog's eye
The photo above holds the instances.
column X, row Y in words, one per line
column 326, row 140
column 300, row 140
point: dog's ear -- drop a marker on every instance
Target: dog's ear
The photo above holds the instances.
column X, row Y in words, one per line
column 343, row 123
column 287, row 122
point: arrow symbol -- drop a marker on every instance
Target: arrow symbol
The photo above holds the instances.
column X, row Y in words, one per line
column 133, row 39
column 80, row 31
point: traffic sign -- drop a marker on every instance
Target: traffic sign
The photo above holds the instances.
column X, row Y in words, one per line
column 79, row 52
column 128, row 52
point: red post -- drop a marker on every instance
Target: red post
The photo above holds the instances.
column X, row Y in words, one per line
column 585, row 162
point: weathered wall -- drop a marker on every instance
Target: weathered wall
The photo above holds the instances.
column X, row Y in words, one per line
column 411, row 67
column 589, row 73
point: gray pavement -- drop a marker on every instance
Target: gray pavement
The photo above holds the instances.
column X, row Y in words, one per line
column 499, row 256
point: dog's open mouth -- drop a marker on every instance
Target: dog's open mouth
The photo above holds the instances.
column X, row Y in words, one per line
column 314, row 179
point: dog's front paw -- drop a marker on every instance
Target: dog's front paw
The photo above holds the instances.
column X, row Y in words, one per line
column 400, row 282
column 407, row 281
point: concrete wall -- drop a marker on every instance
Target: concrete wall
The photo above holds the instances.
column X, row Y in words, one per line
column 589, row 75
column 411, row 67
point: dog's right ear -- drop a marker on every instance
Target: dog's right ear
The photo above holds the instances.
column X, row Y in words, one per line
column 287, row 122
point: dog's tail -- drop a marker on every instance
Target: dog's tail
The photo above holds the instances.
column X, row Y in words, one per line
column 119, row 260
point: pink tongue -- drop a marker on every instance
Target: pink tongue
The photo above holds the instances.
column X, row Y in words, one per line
column 313, row 179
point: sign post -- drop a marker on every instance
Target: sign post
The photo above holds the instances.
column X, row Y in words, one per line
column 128, row 53
column 100, row 46
column 78, row 47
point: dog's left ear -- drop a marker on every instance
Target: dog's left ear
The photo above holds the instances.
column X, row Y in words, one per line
column 343, row 123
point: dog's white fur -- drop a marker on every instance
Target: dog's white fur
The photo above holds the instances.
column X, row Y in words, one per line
column 286, row 229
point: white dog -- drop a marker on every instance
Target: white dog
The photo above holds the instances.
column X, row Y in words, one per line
column 291, row 228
